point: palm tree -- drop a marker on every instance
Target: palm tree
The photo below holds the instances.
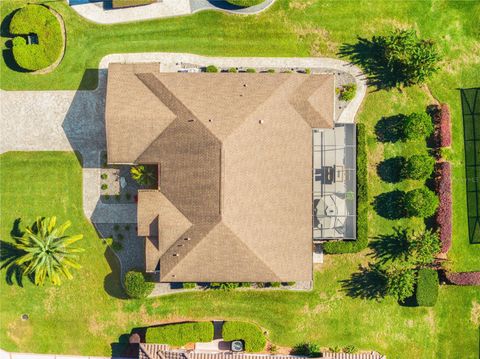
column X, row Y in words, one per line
column 44, row 252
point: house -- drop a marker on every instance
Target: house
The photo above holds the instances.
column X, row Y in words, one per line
column 234, row 154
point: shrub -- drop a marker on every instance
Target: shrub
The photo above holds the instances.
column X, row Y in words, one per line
column 245, row 285
column 306, row 349
column 224, row 286
column 347, row 92
column 232, row 70
column 443, row 126
column 118, row 4
column 250, row 333
column 426, row 292
column 362, row 202
column 39, row 20
column 288, row 284
column 271, row 71
column 189, row 285
column 251, row 70
column 245, row 3
column 143, row 175
column 104, row 176
column 211, row 68
column 418, row 167
column 136, row 286
column 420, row 202
column 444, row 214
column 350, row 349
column 308, row 71
column 180, row 334
column 104, row 186
column 423, row 248
column 400, row 283
column 408, row 59
column 464, row 278
column 275, row 284
column 116, row 245
column 417, row 125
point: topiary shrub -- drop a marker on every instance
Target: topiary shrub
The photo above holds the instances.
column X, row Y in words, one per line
column 420, row 202
column 211, row 68
column 426, row 293
column 38, row 20
column 443, row 182
column 362, row 202
column 250, row 333
column 306, row 349
column 136, row 286
column 418, row 167
column 251, row 70
column 417, row 125
column 180, row 334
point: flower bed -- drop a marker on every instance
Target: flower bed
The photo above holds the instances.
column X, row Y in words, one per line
column 443, row 127
column 464, row 278
column 444, row 213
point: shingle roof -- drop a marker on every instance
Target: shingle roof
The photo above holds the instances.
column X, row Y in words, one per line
column 235, row 162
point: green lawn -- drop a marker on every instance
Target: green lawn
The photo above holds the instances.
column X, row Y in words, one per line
column 84, row 316
column 81, row 317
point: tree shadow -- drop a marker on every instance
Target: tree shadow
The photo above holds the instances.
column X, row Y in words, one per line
column 369, row 283
column 390, row 169
column 112, row 282
column 390, row 129
column 390, row 205
column 8, row 254
column 391, row 247
column 368, row 54
column 7, row 53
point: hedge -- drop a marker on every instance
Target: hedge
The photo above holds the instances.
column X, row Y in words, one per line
column 250, row 333
column 443, row 126
column 245, row 3
column 464, row 278
column 443, row 183
column 136, row 286
column 180, row 334
column 118, row 4
column 39, row 20
column 426, row 293
column 361, row 242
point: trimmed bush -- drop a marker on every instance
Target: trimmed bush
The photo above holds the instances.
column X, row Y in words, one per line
column 251, row 70
column 362, row 202
column 275, row 284
column 426, row 292
column 118, row 4
column 443, row 126
column 38, row 20
column 232, row 70
column 418, row 167
column 136, row 286
column 306, row 349
column 348, row 92
column 420, row 202
column 211, row 68
column 464, row 278
column 180, row 334
column 224, row 286
column 245, row 3
column 104, row 186
column 250, row 333
column 417, row 125
column 189, row 285
column 444, row 214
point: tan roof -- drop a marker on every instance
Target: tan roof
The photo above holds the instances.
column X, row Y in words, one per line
column 235, row 162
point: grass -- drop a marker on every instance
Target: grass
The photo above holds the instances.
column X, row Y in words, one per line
column 88, row 315
column 180, row 334
column 250, row 333
column 245, row 3
column 85, row 315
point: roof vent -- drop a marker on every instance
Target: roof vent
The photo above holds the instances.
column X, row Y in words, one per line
column 186, row 239
column 244, row 85
column 210, row 120
column 175, row 254
column 261, row 122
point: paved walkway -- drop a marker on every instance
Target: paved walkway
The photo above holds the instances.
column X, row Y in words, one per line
column 7, row 355
column 161, row 9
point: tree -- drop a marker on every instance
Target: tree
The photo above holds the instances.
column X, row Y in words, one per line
column 400, row 283
column 142, row 175
column 418, row 167
column 136, row 286
column 44, row 252
column 417, row 125
column 420, row 202
column 423, row 248
column 410, row 59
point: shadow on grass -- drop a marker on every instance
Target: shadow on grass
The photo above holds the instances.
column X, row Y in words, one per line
column 368, row 54
column 8, row 254
column 390, row 169
column 390, row 247
column 390, row 129
column 390, row 205
column 123, row 348
column 369, row 283
column 112, row 282
column 7, row 53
